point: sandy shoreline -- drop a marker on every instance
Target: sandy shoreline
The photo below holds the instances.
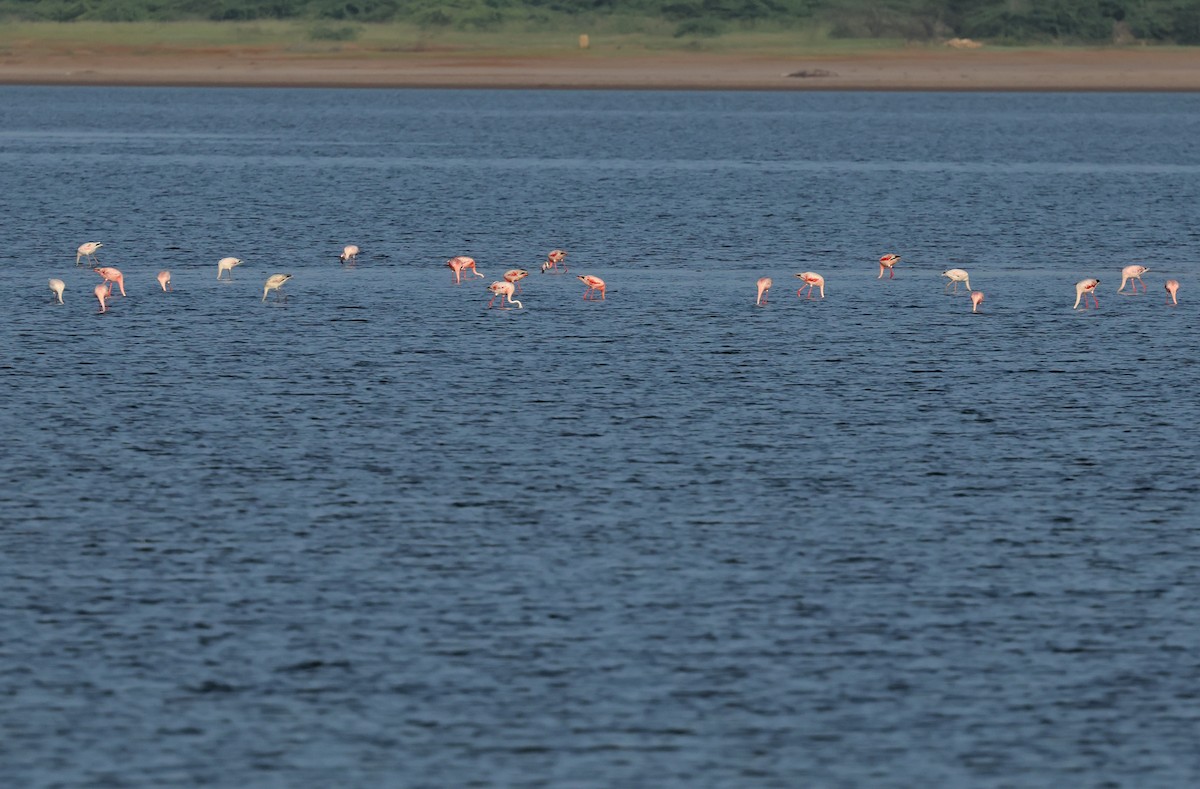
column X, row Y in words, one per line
column 1118, row 69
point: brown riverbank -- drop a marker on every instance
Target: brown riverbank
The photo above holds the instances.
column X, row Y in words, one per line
column 1115, row 69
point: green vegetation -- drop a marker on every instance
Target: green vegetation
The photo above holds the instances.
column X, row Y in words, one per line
column 993, row 21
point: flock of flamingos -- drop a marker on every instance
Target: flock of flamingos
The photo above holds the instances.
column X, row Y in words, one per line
column 507, row 288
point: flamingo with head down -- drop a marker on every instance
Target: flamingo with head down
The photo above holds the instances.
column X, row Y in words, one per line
column 58, row 286
column 888, row 262
column 227, row 264
column 460, row 264
column 1133, row 273
column 1172, row 288
column 1084, row 287
column 112, row 275
column 349, row 254
column 811, row 280
column 555, row 257
column 88, row 251
column 164, row 279
column 103, row 291
column 515, row 275
column 955, row 276
column 764, row 285
column 503, row 291
column 594, row 285
column 976, row 300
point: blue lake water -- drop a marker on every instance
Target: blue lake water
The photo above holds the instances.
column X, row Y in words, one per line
column 376, row 534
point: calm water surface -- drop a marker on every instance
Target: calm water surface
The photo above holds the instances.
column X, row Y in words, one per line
column 377, row 535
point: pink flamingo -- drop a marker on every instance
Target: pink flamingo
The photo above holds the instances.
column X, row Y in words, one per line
column 764, row 285
column 515, row 275
column 103, row 291
column 888, row 262
column 460, row 264
column 88, row 251
column 555, row 257
column 349, row 254
column 811, row 279
column 503, row 290
column 112, row 275
column 227, row 264
column 1134, row 273
column 955, row 276
column 976, row 300
column 164, row 279
column 58, row 286
column 594, row 285
column 1084, row 287
column 1173, row 288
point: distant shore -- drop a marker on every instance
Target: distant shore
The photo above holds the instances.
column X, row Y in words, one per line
column 922, row 69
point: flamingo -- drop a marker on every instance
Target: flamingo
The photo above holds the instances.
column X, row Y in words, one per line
column 349, row 254
column 956, row 275
column 594, row 285
column 555, row 257
column 515, row 275
column 460, row 264
column 103, row 291
column 227, row 264
column 888, row 261
column 1171, row 285
column 1134, row 273
column 811, row 279
column 88, row 251
column 764, row 285
column 58, row 286
column 1084, row 287
column 274, row 283
column 503, row 290
column 164, row 279
column 112, row 275
column 976, row 300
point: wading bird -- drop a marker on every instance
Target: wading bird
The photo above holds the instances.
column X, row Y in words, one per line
column 764, row 285
column 503, row 290
column 227, row 264
column 594, row 285
column 1134, row 273
column 274, row 283
column 349, row 254
column 103, row 291
column 112, row 275
column 555, row 257
column 1173, row 289
column 1084, row 287
column 88, row 251
column 164, row 279
column 956, row 275
column 460, row 264
column 976, row 300
column 58, row 286
column 888, row 262
column 515, row 275
column 811, row 280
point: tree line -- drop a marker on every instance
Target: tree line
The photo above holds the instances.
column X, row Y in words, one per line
column 995, row 21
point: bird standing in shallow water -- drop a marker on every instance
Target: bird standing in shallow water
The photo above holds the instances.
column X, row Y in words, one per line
column 976, row 300
column 1084, row 287
column 594, row 285
column 112, row 275
column 955, row 276
column 1134, row 273
column 515, row 275
column 503, row 290
column 1172, row 288
column 460, row 264
column 227, row 264
column 811, row 279
column 58, row 286
column 764, row 285
column 889, row 262
column 88, row 251
column 164, row 279
column 555, row 257
column 349, row 254
column 274, row 283
column 103, row 291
